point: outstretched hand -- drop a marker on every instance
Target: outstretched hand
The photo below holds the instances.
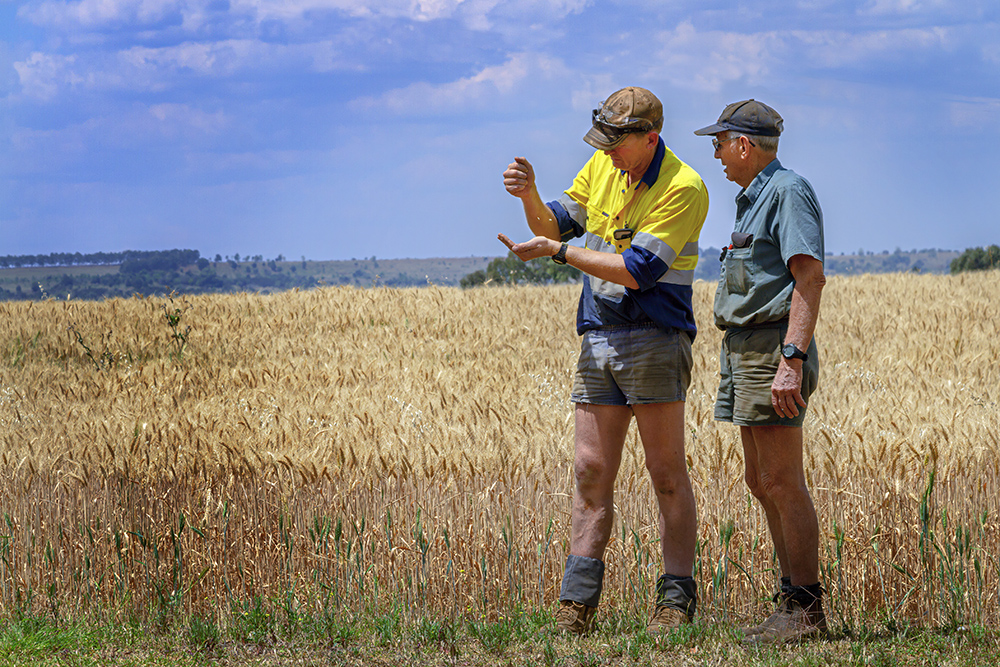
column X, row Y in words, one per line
column 519, row 178
column 539, row 246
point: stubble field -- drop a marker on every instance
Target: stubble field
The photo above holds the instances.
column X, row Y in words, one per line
column 250, row 462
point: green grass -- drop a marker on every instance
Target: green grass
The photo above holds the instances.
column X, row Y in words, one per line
column 520, row 638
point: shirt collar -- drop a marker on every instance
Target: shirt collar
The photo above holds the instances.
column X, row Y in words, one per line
column 752, row 191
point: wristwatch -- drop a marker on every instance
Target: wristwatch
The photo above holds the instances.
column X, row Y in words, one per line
column 789, row 351
column 560, row 257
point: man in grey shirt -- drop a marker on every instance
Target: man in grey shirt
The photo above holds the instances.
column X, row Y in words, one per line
column 767, row 303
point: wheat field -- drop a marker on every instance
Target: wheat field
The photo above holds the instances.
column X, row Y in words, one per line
column 341, row 450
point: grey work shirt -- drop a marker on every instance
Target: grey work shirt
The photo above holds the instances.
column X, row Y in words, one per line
column 780, row 210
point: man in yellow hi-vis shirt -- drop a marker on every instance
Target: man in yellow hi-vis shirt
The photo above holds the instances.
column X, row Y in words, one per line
column 640, row 211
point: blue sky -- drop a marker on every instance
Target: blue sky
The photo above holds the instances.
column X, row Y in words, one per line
column 334, row 129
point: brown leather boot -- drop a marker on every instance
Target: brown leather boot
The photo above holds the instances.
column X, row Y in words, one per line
column 780, row 608
column 575, row 618
column 666, row 619
column 792, row 623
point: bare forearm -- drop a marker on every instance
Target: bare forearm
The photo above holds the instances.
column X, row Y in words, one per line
column 539, row 216
column 786, row 390
column 519, row 180
column 805, row 306
column 603, row 265
column 606, row 266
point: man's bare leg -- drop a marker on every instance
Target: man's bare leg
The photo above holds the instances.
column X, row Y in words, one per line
column 776, row 478
column 661, row 428
column 600, row 437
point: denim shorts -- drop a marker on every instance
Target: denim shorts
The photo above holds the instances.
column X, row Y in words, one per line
column 630, row 365
column 749, row 361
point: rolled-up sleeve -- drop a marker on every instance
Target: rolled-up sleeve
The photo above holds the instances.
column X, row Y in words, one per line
column 570, row 216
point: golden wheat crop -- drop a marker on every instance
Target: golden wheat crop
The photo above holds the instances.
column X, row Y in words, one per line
column 341, row 449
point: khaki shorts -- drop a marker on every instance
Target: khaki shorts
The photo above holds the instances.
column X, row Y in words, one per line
column 749, row 362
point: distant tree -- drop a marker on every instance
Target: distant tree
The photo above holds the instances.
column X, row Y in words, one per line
column 977, row 259
column 472, row 279
column 510, row 270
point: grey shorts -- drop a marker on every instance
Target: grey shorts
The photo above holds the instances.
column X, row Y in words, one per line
column 629, row 365
column 749, row 362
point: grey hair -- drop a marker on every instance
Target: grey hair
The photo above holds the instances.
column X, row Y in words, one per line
column 766, row 144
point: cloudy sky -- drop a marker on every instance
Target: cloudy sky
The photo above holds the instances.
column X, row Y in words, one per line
column 334, row 129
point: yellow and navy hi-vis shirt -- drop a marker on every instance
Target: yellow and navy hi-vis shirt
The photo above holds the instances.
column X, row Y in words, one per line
column 665, row 211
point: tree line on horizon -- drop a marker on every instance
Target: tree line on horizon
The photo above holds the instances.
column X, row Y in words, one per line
column 185, row 271
column 136, row 257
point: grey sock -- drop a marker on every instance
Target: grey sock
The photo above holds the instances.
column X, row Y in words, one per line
column 677, row 592
column 583, row 580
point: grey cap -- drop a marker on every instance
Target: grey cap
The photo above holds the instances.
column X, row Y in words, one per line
column 747, row 117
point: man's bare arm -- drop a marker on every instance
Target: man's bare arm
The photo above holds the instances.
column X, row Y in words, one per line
column 603, row 265
column 786, row 391
column 519, row 180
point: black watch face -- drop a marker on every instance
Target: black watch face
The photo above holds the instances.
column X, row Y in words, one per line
column 791, row 352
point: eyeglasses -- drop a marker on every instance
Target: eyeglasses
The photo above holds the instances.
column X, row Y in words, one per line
column 718, row 144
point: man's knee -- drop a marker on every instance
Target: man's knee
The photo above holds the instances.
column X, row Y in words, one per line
column 668, row 481
column 754, row 484
column 593, row 472
column 779, row 487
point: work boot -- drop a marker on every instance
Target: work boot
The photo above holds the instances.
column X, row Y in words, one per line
column 780, row 598
column 583, row 580
column 676, row 603
column 666, row 619
column 575, row 618
column 780, row 610
column 793, row 622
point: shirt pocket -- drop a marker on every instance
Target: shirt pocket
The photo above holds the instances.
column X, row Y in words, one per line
column 739, row 270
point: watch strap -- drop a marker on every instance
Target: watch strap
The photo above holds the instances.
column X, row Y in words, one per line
column 790, row 351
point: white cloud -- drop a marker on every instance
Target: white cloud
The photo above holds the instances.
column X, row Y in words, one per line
column 211, row 58
column 128, row 127
column 975, row 114
column 43, row 75
column 491, row 84
column 228, row 57
column 176, row 119
column 903, row 7
column 838, row 49
column 708, row 60
column 100, row 13
column 140, row 68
